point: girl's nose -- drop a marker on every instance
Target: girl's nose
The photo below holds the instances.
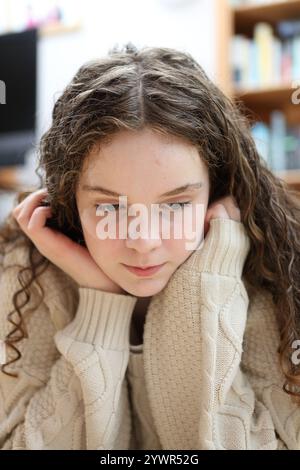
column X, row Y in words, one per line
column 143, row 240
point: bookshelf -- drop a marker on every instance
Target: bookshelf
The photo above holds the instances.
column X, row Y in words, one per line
column 246, row 16
column 259, row 101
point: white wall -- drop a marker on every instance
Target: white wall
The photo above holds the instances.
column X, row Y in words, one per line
column 186, row 24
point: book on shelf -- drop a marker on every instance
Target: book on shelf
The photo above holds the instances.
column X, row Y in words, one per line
column 278, row 143
column 239, row 3
column 271, row 57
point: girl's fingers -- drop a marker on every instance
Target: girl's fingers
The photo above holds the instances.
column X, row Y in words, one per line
column 218, row 211
column 224, row 208
column 232, row 207
column 38, row 218
column 24, row 210
column 30, row 196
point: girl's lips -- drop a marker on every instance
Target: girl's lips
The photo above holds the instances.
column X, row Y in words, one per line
column 144, row 272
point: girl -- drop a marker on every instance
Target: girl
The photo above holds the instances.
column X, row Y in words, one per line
column 196, row 353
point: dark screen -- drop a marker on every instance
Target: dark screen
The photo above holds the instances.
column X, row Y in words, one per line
column 18, row 70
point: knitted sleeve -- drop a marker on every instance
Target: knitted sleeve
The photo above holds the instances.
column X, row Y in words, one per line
column 208, row 400
column 71, row 392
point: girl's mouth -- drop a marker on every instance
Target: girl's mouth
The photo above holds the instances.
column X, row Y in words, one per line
column 144, row 272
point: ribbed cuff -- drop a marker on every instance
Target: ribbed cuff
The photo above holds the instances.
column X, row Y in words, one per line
column 102, row 318
column 224, row 250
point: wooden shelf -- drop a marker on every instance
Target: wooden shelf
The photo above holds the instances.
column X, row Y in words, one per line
column 292, row 177
column 264, row 100
column 55, row 29
column 52, row 29
column 271, row 96
column 9, row 178
column 245, row 17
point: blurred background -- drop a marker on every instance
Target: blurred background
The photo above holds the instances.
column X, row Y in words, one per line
column 250, row 49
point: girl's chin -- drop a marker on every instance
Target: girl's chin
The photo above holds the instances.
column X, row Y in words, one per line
column 146, row 290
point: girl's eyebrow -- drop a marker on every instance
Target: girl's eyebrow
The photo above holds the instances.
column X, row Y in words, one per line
column 173, row 192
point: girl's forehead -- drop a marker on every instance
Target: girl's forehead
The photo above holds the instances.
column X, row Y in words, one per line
column 141, row 141
column 155, row 176
column 143, row 158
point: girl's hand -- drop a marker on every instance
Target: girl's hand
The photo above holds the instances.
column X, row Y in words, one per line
column 72, row 258
column 224, row 208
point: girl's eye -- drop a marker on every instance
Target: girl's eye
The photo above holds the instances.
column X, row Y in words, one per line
column 172, row 205
column 107, row 207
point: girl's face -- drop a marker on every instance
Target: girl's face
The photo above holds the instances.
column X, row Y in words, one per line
column 143, row 166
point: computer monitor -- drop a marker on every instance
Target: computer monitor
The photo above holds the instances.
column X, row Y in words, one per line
column 18, row 76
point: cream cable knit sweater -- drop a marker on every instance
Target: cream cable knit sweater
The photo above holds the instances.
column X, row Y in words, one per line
column 208, row 376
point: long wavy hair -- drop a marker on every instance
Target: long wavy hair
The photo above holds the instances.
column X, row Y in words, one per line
column 168, row 91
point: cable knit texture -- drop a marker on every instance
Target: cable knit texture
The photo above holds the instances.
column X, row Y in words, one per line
column 207, row 375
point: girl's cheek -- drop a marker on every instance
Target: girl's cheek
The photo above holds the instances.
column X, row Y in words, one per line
column 190, row 228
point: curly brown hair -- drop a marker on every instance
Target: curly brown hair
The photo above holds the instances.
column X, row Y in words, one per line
column 168, row 91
